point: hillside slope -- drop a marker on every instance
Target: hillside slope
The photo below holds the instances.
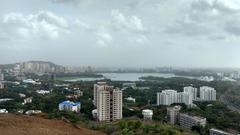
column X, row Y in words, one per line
column 11, row 124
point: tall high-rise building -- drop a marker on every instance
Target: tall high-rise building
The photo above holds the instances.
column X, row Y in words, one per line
column 97, row 87
column 193, row 91
column 166, row 97
column 184, row 97
column 207, row 93
column 108, row 101
column 173, row 114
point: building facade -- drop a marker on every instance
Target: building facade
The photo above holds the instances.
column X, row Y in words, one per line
column 173, row 114
column 207, row 93
column 108, row 101
column 188, row 121
column 193, row 91
column 166, row 97
column 184, row 97
column 213, row 131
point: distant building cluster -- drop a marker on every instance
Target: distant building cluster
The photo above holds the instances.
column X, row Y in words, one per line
column 189, row 94
column 39, row 67
column 70, row 106
column 108, row 101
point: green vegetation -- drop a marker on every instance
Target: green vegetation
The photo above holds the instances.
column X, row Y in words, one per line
column 217, row 114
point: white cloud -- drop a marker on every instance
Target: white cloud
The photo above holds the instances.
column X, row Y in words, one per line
column 129, row 23
column 44, row 24
column 83, row 25
column 104, row 39
column 141, row 39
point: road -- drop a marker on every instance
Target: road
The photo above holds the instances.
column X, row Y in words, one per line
column 230, row 106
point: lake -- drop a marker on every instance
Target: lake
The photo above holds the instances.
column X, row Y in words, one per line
column 122, row 76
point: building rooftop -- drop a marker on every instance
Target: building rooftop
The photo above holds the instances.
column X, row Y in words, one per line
column 70, row 103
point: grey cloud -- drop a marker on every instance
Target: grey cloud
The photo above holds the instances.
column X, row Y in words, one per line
column 43, row 24
column 75, row 2
column 129, row 23
column 233, row 27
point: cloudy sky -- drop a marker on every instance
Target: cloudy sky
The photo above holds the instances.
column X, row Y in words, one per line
column 127, row 33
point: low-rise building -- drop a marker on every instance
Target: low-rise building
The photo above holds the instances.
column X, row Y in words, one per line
column 147, row 114
column 22, row 95
column 3, row 111
column 131, row 99
column 43, row 92
column 30, row 112
column 70, row 106
column 27, row 100
column 214, row 131
column 173, row 114
column 188, row 121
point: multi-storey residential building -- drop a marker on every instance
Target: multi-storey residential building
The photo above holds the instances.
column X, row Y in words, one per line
column 193, row 91
column 173, row 114
column 97, row 87
column 207, row 93
column 166, row 97
column 188, row 121
column 108, row 101
column 184, row 97
column 70, row 106
column 213, row 131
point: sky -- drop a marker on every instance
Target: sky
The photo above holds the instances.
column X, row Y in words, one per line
column 121, row 33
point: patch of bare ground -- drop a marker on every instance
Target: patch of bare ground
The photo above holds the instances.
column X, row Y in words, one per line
column 11, row 124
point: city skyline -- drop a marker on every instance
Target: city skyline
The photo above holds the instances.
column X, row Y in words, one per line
column 130, row 33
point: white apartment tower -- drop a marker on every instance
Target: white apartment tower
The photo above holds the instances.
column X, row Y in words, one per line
column 193, row 91
column 207, row 93
column 184, row 97
column 108, row 101
column 166, row 97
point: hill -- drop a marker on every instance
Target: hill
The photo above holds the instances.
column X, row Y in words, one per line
column 11, row 124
